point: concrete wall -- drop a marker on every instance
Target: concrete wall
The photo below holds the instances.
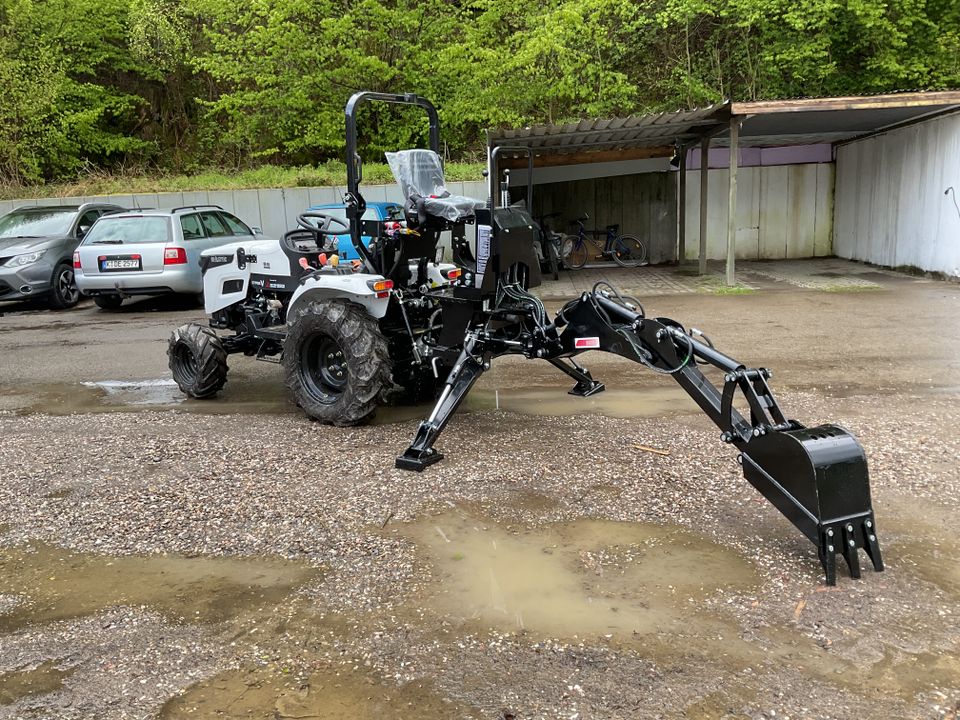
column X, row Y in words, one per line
column 897, row 197
column 783, row 211
column 273, row 210
column 643, row 205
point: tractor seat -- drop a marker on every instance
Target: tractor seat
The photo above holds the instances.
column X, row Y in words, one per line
column 419, row 173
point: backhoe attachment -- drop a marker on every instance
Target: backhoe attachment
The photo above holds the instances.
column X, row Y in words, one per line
column 816, row 477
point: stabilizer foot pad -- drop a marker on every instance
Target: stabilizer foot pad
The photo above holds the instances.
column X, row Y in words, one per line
column 586, row 390
column 416, row 462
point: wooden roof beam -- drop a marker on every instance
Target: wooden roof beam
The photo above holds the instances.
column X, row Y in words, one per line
column 850, row 102
column 585, row 157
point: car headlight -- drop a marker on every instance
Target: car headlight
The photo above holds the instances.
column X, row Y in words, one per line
column 24, row 259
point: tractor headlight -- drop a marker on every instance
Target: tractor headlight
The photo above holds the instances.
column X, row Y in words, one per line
column 24, row 259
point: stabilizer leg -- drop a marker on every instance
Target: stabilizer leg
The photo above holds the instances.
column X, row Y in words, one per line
column 586, row 385
column 465, row 373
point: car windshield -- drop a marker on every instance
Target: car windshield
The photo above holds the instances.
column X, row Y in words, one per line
column 128, row 230
column 37, row 222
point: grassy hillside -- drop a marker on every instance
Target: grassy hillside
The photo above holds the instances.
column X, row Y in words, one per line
column 268, row 176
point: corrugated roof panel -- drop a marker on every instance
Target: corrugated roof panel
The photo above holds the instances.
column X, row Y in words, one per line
column 765, row 123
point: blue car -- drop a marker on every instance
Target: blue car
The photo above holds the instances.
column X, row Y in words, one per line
column 375, row 211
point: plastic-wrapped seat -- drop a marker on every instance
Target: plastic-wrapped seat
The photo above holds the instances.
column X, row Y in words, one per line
column 419, row 173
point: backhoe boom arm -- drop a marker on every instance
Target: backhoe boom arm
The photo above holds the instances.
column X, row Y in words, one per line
column 816, row 477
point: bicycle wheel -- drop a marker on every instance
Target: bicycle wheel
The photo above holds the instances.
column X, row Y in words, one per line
column 576, row 255
column 629, row 251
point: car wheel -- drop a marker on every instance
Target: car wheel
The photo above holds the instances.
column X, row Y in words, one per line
column 108, row 302
column 336, row 362
column 64, row 292
column 197, row 360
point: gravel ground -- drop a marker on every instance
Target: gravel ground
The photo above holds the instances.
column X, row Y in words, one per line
column 171, row 483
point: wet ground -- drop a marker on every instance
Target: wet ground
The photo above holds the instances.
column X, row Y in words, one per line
column 574, row 558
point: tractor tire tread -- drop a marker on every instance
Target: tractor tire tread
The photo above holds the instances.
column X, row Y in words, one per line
column 365, row 351
column 210, row 372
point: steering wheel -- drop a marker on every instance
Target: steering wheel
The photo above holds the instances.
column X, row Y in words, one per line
column 324, row 226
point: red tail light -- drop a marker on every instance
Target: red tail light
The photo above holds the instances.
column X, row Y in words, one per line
column 76, row 261
column 174, row 256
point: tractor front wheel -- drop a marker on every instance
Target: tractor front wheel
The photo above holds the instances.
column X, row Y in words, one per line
column 197, row 360
column 336, row 362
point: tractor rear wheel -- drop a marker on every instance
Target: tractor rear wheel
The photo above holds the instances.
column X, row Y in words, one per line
column 197, row 360
column 336, row 362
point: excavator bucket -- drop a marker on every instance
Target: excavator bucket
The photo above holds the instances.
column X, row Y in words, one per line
column 817, row 477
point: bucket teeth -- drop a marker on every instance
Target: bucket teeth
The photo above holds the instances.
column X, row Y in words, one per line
column 846, row 538
column 871, row 545
column 850, row 550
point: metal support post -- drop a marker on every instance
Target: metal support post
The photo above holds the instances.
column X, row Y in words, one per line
column 704, row 175
column 682, row 209
column 732, row 210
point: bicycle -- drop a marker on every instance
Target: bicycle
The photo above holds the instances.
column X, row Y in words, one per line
column 625, row 250
column 550, row 245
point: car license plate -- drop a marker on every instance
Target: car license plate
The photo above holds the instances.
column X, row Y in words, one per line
column 120, row 263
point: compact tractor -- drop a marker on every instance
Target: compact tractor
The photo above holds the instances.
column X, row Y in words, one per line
column 398, row 320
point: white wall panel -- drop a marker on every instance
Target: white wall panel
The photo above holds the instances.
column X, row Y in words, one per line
column 783, row 211
column 895, row 194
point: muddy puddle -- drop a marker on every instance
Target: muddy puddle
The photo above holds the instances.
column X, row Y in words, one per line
column 53, row 584
column 45, row 678
column 555, row 401
column 656, row 590
column 260, row 396
column 267, row 695
column 271, row 397
column 586, row 579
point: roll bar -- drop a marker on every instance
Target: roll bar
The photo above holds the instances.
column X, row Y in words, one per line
column 353, row 200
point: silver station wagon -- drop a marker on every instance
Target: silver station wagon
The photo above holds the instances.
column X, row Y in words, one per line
column 151, row 252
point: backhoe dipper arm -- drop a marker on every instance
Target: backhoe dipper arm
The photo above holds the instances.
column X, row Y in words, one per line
column 817, row 477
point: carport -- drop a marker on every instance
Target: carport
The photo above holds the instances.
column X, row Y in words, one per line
column 687, row 137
